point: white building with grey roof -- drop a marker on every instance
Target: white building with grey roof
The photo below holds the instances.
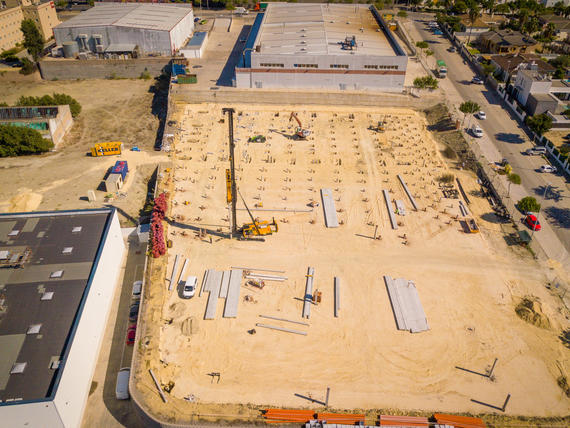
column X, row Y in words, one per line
column 329, row 46
column 110, row 28
column 58, row 275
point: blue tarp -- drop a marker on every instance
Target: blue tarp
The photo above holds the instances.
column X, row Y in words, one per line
column 250, row 41
column 178, row 69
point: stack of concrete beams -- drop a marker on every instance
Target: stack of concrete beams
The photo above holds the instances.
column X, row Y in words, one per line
column 174, row 270
column 400, row 207
column 225, row 285
column 406, row 305
column 390, row 210
column 329, row 210
column 336, row 295
column 308, row 298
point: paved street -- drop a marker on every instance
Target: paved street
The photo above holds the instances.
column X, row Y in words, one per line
column 504, row 138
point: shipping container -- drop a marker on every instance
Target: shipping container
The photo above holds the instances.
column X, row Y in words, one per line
column 187, row 78
column 107, row 149
column 121, row 167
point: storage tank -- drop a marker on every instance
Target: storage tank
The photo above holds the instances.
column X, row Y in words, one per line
column 70, row 49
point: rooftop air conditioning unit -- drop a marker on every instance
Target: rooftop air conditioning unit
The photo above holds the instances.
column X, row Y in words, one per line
column 100, row 49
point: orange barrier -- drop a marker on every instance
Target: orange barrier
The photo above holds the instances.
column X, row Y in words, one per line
column 403, row 421
column 459, row 421
column 280, row 416
column 340, row 418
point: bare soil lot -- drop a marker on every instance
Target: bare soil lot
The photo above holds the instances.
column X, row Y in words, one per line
column 469, row 284
column 113, row 110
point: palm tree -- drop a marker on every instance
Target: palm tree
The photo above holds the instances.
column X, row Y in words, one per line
column 473, row 12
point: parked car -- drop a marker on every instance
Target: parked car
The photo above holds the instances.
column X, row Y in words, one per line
column 189, row 288
column 535, row 151
column 476, row 131
column 122, row 387
column 477, row 81
column 131, row 334
column 134, row 312
column 547, row 168
column 532, row 222
column 137, row 288
column 438, row 32
column 197, row 19
column 481, row 115
column 452, row 49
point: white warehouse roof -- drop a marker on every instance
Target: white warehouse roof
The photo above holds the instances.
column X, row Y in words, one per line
column 161, row 17
column 292, row 28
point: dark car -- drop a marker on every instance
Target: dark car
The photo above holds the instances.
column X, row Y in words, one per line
column 134, row 312
column 532, row 222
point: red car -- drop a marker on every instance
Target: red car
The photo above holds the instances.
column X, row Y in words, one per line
column 131, row 335
column 532, row 222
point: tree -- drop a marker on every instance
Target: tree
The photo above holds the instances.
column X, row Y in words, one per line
column 490, row 6
column 528, row 204
column 473, row 12
column 52, row 100
column 549, row 32
column 539, row 123
column 422, row 45
column 513, row 179
column 16, row 141
column 468, row 107
column 28, row 67
column 33, row 40
column 402, row 14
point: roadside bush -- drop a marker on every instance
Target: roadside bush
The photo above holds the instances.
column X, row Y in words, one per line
column 449, row 153
column 28, row 67
column 17, row 141
column 528, row 203
column 145, row 75
column 52, row 100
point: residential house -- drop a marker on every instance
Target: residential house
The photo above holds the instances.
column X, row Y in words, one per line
column 506, row 66
column 539, row 93
column 551, row 3
column 561, row 25
column 505, row 42
column 482, row 24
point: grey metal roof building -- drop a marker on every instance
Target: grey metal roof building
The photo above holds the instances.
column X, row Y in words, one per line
column 154, row 28
column 58, row 274
column 332, row 46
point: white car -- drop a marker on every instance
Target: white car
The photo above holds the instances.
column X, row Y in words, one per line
column 189, row 288
column 547, row 168
column 477, row 81
column 137, row 288
column 481, row 115
column 476, row 131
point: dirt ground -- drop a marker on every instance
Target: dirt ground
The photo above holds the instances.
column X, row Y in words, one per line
column 469, row 284
column 113, row 110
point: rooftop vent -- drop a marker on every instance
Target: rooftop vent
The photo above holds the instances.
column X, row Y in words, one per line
column 56, row 274
column 67, row 250
column 48, row 295
column 4, row 254
column 14, row 233
column 76, row 229
column 18, row 368
column 34, row 329
column 54, row 362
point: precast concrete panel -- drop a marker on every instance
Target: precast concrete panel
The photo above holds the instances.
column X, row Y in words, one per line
column 75, row 381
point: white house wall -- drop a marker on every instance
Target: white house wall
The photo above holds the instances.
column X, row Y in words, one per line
column 182, row 31
column 75, row 382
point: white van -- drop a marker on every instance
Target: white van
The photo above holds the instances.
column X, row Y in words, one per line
column 122, row 388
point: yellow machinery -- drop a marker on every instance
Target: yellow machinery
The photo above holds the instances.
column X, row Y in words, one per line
column 107, row 149
column 259, row 228
column 378, row 128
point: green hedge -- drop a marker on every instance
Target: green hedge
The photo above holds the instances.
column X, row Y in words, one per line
column 17, row 141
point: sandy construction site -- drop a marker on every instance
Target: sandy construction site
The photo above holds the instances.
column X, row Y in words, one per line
column 468, row 283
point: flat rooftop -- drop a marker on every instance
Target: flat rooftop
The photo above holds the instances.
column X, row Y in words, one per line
column 162, row 17
column 42, row 253
column 319, row 29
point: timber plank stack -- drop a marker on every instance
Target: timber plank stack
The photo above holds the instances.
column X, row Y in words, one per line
column 281, row 416
column 459, row 421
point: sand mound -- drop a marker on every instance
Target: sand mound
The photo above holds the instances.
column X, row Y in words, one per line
column 25, row 201
column 530, row 310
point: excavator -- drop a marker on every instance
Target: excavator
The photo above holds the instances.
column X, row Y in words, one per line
column 378, row 128
column 300, row 133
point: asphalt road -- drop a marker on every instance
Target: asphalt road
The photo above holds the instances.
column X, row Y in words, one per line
column 506, row 136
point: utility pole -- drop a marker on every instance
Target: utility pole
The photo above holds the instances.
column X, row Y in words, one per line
column 230, row 112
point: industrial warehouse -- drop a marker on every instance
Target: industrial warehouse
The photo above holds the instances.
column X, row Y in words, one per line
column 131, row 29
column 346, row 47
column 58, row 274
